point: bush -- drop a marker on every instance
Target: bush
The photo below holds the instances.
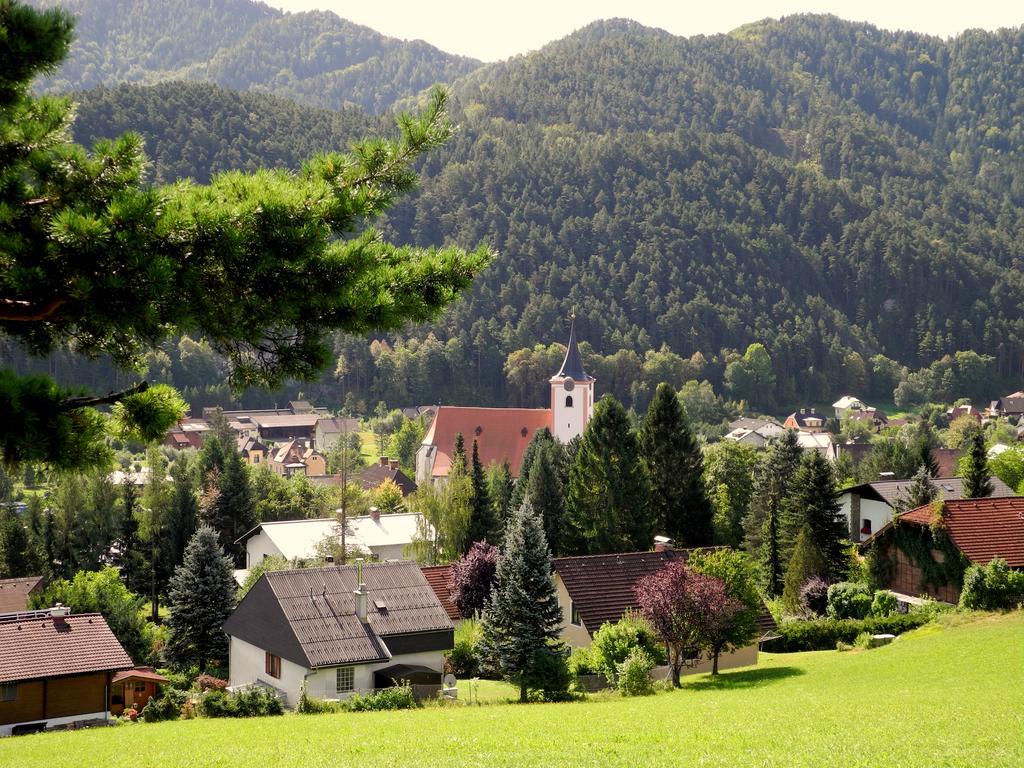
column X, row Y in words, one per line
column 257, row 701
column 399, row 697
column 634, row 674
column 581, row 662
column 309, row 705
column 992, row 587
column 814, row 596
column 549, row 674
column 167, row 707
column 463, row 660
column 824, row 634
column 884, row 603
column 849, row 600
column 210, row 683
column 863, row 641
column 614, row 642
column 216, row 704
column 181, row 681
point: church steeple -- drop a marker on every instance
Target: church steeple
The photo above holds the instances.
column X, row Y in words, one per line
column 572, row 366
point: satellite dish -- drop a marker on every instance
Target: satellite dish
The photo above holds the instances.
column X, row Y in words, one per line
column 449, row 681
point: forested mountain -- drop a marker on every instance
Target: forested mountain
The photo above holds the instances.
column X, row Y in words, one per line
column 316, row 58
column 849, row 197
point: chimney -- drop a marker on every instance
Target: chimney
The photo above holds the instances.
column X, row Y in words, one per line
column 803, row 411
column 375, row 514
column 663, row 544
column 384, row 461
column 59, row 611
column 360, row 592
column 393, row 464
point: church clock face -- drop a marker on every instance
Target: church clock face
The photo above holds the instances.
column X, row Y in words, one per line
column 568, row 384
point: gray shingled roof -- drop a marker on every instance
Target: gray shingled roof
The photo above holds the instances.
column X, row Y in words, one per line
column 950, row 488
column 308, row 615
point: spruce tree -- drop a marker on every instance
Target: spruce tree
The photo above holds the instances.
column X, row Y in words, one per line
column 541, row 438
column 547, row 495
column 675, row 466
column 814, row 502
column 773, row 480
column 183, row 516
column 232, row 512
column 807, row 561
column 925, row 443
column 130, row 558
column 608, row 503
column 500, row 486
column 202, row 596
column 522, row 617
column 482, row 523
column 211, row 461
column 459, row 453
column 920, row 492
column 977, row 479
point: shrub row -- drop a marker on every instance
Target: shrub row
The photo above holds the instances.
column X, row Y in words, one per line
column 823, row 634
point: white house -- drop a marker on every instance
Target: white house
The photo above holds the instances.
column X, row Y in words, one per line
column 847, row 404
column 755, row 432
column 385, row 537
column 339, row 630
column 817, row 441
column 869, row 506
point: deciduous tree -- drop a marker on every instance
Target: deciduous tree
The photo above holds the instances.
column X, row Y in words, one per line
column 472, row 578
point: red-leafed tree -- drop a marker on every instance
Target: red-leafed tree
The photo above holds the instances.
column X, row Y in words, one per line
column 691, row 612
column 472, row 578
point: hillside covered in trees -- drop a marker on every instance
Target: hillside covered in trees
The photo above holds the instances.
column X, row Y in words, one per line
column 317, row 58
column 847, row 197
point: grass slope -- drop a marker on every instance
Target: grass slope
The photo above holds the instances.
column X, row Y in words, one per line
column 938, row 697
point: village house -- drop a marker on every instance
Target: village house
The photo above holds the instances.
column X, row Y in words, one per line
column 296, row 457
column 252, row 451
column 340, row 630
column 958, row 411
column 805, row 420
column 383, row 537
column 15, row 593
column 755, row 432
column 330, row 431
column 385, row 469
column 870, row 506
column 439, row 578
column 1012, row 405
column 847, row 405
column 597, row 589
column 980, row 530
column 56, row 669
column 502, row 434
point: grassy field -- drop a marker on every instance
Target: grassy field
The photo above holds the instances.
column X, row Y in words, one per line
column 941, row 696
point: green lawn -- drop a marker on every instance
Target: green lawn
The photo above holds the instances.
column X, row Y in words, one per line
column 942, row 696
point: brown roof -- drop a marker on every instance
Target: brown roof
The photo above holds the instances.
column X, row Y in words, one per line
column 502, row 434
column 439, row 577
column 139, row 673
column 375, row 474
column 35, row 648
column 983, row 529
column 308, row 615
column 14, row 593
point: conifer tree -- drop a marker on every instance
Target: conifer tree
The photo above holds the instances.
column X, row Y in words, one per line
column 805, row 562
column 925, row 442
column 675, row 466
column 773, row 478
column 814, row 502
column 15, row 546
column 608, row 502
column 922, row 490
column 211, row 461
column 521, row 619
column 541, row 438
column 232, row 512
column 202, row 596
column 482, row 524
column 459, row 453
column 500, row 488
column 547, row 496
column 977, row 479
column 130, row 558
column 183, row 516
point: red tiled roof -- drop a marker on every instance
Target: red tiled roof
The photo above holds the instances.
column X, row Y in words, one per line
column 438, row 577
column 502, row 434
column 14, row 592
column 139, row 673
column 982, row 529
column 37, row 648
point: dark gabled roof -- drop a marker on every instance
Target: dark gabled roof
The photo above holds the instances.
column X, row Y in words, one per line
column 800, row 417
column 14, row 593
column 375, row 474
column 983, row 529
column 40, row 647
column 308, row 615
column 951, row 488
column 601, row 586
column 572, row 365
column 439, row 577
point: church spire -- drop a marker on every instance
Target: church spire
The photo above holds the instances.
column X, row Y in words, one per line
column 572, row 366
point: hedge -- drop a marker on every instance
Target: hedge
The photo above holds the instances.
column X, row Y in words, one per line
column 823, row 634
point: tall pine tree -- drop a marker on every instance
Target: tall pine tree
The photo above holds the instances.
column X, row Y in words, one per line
column 500, row 486
column 183, row 516
column 608, row 502
column 814, row 503
column 232, row 512
column 521, row 619
column 773, row 479
column 541, row 438
column 977, row 479
column 202, row 596
column 920, row 492
column 547, row 495
column 675, row 466
column 482, row 523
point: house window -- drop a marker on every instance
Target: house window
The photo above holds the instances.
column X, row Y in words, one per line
column 346, row 678
column 865, row 527
column 273, row 665
column 574, row 614
column 255, row 458
column 8, row 692
column 568, row 401
column 140, row 686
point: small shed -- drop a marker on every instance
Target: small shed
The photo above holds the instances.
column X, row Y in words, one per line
column 133, row 688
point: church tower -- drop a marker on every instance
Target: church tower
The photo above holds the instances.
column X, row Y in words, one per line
column 572, row 393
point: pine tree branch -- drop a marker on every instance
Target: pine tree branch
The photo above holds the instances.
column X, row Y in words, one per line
column 12, row 310
column 114, row 397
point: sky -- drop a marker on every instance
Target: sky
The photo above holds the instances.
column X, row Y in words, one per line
column 492, row 31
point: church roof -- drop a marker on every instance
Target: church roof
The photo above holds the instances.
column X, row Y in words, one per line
column 572, row 366
column 502, row 434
